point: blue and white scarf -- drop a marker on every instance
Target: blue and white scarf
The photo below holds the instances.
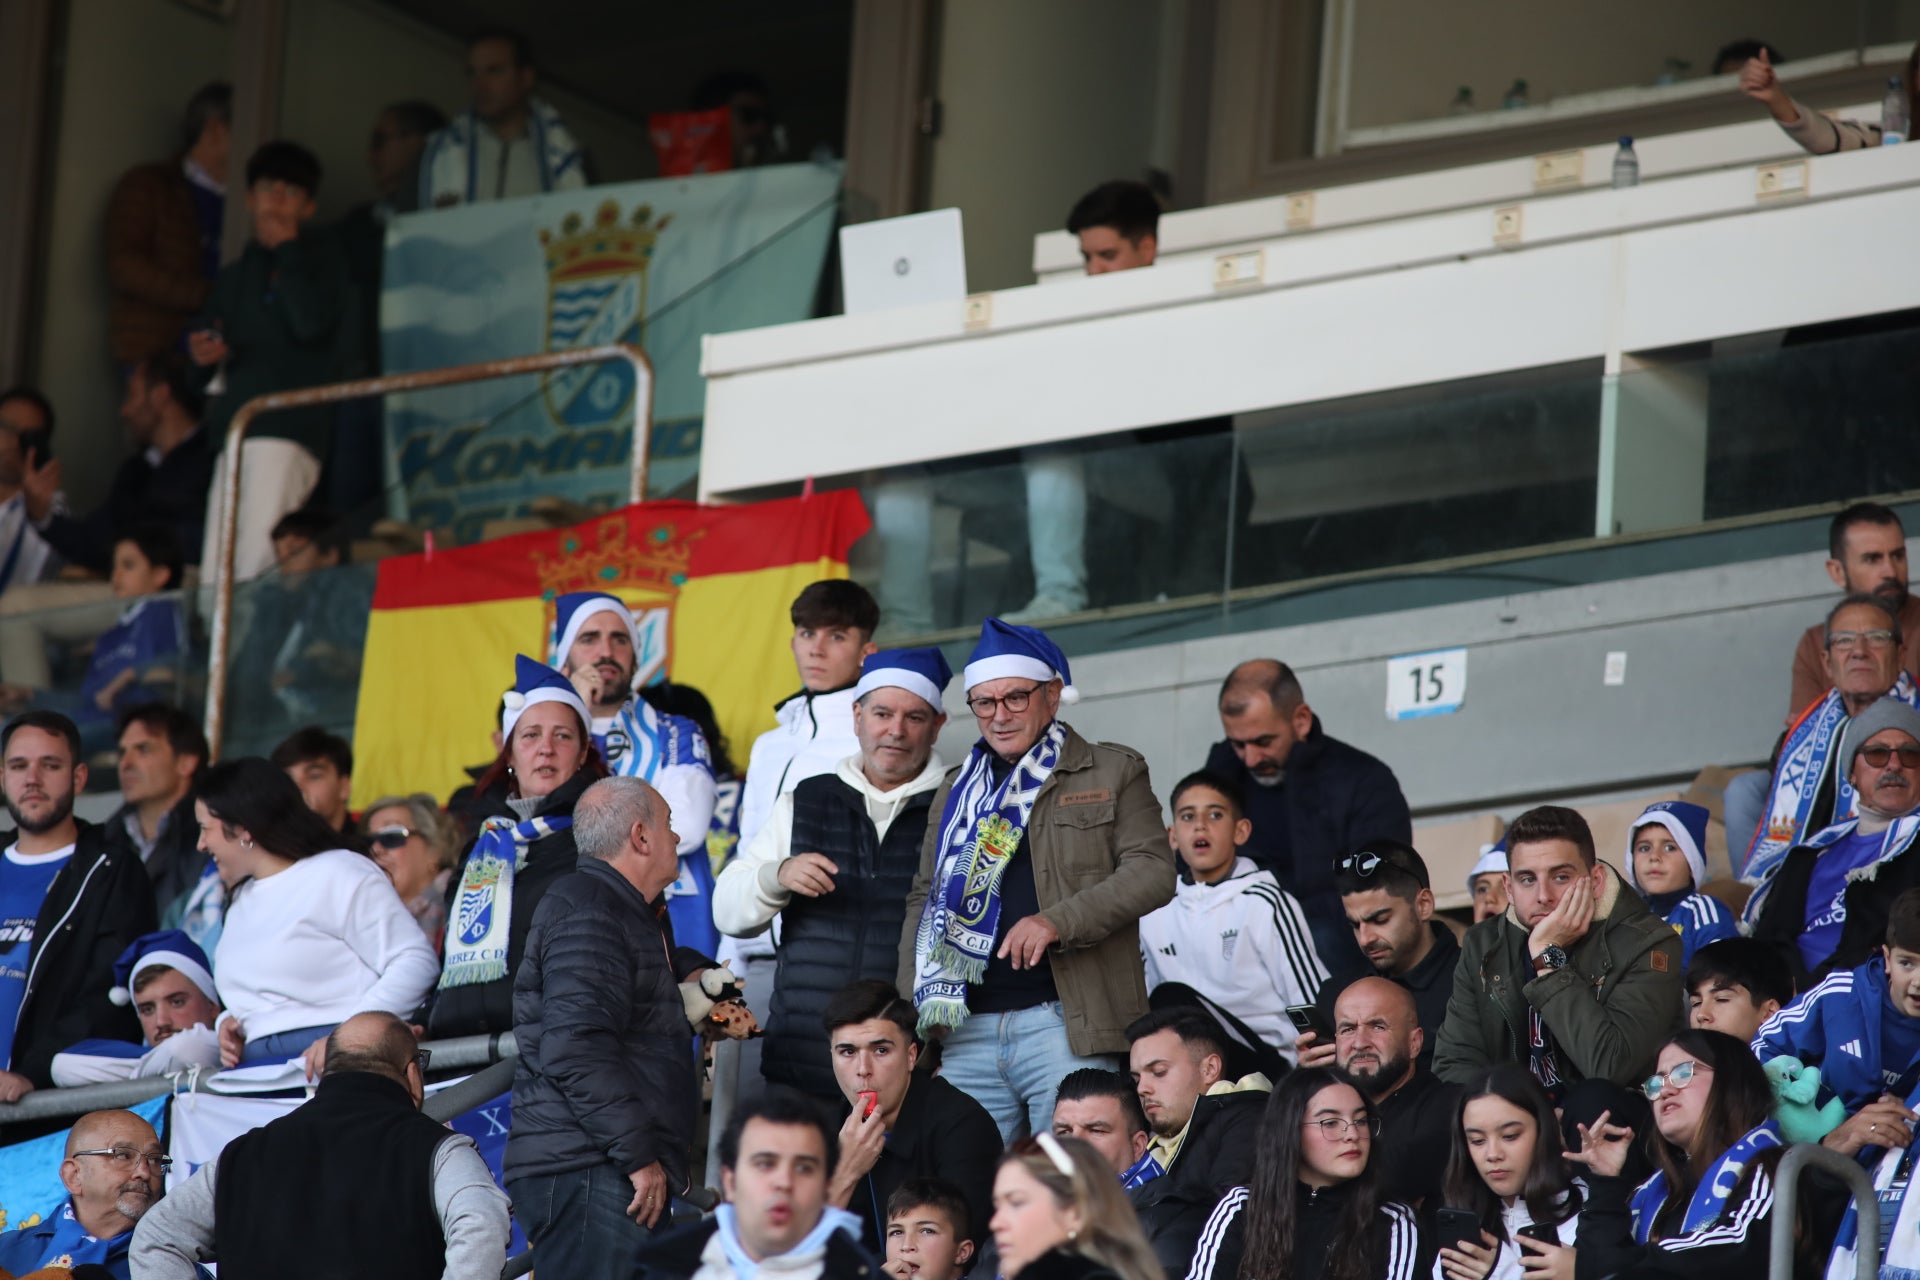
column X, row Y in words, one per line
column 483, row 908
column 1900, row 1260
column 638, row 742
column 981, row 826
column 1812, row 748
column 1899, row 836
column 70, row 1246
column 1142, row 1171
column 449, row 169
column 1710, row 1197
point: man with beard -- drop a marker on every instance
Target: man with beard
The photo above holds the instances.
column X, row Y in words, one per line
column 597, row 645
column 115, row 1170
column 69, row 905
column 1378, row 1043
column 1826, row 907
column 1868, row 550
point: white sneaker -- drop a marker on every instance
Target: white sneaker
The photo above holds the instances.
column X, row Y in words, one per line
column 1042, row 609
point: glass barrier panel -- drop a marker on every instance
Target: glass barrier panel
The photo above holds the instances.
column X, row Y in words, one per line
column 295, row 657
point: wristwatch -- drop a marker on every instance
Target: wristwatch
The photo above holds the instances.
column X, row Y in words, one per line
column 1552, row 957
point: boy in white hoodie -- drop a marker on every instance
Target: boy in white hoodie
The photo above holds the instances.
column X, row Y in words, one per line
column 1231, row 932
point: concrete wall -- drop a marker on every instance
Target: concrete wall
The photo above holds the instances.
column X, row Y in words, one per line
column 1041, row 102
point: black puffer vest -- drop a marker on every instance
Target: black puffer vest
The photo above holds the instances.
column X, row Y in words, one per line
column 851, row 933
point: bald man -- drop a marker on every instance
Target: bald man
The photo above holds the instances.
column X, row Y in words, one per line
column 1377, row 1042
column 421, row 1200
column 114, row 1172
column 1312, row 799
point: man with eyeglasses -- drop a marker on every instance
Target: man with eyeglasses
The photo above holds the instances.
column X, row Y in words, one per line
column 1867, row 550
column 1825, row 908
column 1809, row 789
column 114, row 1171
column 353, row 1182
column 1022, row 938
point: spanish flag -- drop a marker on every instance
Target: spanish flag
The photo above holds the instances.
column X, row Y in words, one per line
column 710, row 587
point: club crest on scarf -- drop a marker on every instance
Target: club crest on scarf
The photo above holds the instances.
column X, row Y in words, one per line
column 473, row 912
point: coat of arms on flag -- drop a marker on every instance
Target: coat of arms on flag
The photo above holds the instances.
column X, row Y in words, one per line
column 596, row 293
column 645, row 574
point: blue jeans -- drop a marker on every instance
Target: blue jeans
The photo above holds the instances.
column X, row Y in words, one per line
column 1011, row 1064
column 282, row 1045
column 577, row 1223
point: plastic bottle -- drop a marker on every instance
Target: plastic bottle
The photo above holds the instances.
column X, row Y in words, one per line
column 1463, row 102
column 1516, row 96
column 1626, row 165
column 1893, row 113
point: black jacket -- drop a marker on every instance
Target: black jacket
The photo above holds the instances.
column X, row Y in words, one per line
column 939, row 1133
column 1334, row 799
column 839, row 937
column 487, row 1008
column 1216, row 1155
column 1398, row 1248
column 675, row 1255
column 1431, row 983
column 606, row 1070
column 1066, row 1264
column 176, row 863
column 173, row 493
column 98, row 903
column 1416, row 1136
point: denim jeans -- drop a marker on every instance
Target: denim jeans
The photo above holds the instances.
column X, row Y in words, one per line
column 282, row 1045
column 577, row 1222
column 1011, row 1064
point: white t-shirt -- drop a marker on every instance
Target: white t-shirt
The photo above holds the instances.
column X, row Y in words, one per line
column 317, row 943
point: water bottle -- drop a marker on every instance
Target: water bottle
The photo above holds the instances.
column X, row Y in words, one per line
column 1516, row 96
column 1463, row 102
column 1626, row 165
column 1893, row 113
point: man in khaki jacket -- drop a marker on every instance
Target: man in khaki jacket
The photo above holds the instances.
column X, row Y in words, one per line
column 1022, row 944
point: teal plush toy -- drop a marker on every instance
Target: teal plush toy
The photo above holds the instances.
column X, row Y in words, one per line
column 1795, row 1088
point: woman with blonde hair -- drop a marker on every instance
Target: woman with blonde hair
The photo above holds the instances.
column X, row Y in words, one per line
column 1059, row 1214
column 416, row 844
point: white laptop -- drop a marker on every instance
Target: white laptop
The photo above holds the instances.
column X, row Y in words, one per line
column 899, row 262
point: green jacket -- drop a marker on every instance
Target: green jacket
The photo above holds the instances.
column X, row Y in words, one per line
column 1609, row 1010
column 1100, row 862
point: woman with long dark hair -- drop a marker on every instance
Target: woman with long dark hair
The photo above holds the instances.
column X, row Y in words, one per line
column 1059, row 1214
column 1313, row 1211
column 1506, row 1168
column 546, row 761
column 1707, row 1210
column 314, row 933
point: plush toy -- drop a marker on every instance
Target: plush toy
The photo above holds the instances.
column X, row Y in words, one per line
column 716, row 1006
column 1796, row 1106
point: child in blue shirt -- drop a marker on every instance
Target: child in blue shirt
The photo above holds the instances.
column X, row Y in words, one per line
column 1667, row 863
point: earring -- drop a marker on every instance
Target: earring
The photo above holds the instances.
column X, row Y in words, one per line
column 246, row 842
column 1073, row 1234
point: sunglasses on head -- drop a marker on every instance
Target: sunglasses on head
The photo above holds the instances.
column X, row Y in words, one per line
column 392, row 837
column 1366, row 862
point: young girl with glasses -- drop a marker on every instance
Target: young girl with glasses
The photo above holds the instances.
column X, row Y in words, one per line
column 1313, row 1211
column 1507, row 1169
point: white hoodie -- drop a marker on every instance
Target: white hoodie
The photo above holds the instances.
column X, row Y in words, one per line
column 1242, row 942
column 812, row 733
column 748, row 894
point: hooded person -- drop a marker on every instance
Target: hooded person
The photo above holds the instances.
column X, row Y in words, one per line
column 835, row 859
column 165, row 976
column 1667, row 864
column 1022, row 939
column 598, row 645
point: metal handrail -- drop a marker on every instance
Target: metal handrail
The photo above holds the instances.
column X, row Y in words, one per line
column 1786, row 1202
column 419, row 380
column 458, row 1053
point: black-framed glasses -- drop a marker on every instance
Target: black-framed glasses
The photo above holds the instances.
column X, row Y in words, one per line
column 1679, row 1075
column 423, row 1058
column 1334, row 1128
column 1877, row 756
column 393, row 837
column 1878, row 638
column 986, row 708
column 126, row 1159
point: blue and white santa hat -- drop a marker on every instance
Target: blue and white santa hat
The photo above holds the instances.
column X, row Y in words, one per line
column 169, row 948
column 571, row 612
column 1009, row 649
column 1687, row 823
column 923, row 672
column 537, row 682
column 1492, row 861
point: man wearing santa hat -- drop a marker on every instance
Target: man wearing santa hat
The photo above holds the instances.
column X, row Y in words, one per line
column 166, row 978
column 1022, row 941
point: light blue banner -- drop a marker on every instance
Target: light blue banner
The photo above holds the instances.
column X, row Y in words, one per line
column 658, row 263
column 30, row 1186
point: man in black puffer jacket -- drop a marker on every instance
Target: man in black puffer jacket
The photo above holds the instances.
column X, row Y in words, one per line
column 604, row 1101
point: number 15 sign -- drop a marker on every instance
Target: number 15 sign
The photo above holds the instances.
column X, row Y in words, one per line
column 1426, row 684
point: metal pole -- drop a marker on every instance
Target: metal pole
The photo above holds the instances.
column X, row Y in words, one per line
column 219, row 638
column 482, row 1086
column 1786, row 1199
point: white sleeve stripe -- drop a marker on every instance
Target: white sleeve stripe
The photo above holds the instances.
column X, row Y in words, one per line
column 1731, row 1231
column 1296, row 942
column 1207, row 1252
column 1800, row 1010
column 1404, row 1250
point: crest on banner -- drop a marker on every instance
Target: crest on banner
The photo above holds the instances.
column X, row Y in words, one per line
column 596, row 293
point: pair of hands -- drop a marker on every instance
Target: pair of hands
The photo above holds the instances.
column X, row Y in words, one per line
column 810, row 875
column 1568, row 922
column 1540, row 1261
column 1884, row 1122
